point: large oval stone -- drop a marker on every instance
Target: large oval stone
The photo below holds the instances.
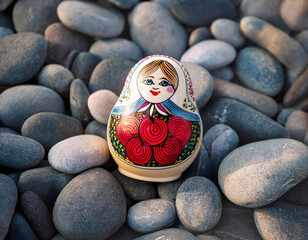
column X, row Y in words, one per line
column 257, row 174
column 91, row 206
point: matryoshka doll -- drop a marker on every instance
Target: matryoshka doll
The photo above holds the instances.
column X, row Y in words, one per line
column 154, row 129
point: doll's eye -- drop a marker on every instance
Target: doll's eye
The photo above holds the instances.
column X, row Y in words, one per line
column 148, row 81
column 165, row 83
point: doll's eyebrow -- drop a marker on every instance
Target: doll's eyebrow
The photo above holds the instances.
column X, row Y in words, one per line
column 163, row 78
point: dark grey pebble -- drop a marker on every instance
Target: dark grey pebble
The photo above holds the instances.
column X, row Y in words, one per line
column 282, row 220
column 21, row 57
column 112, row 68
column 45, row 182
column 38, row 16
column 198, row 204
column 302, row 38
column 169, row 233
column 19, row 152
column 91, row 206
column 168, row 190
column 21, row 102
column 225, row 73
column 50, row 128
column 7, row 130
column 68, row 61
column 124, row 233
column 57, row 78
column 297, row 125
column 96, row 128
column 59, row 237
column 284, row 114
column 246, row 124
column 38, row 215
column 5, row 32
column 79, row 95
column 84, row 65
column 198, row 35
column 124, row 4
column 201, row 12
column 61, row 40
column 136, row 189
column 298, row 194
column 151, row 215
column 8, row 200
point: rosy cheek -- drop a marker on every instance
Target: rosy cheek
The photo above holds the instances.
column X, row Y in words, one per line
column 170, row 89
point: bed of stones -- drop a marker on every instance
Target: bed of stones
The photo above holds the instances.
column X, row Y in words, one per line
column 62, row 68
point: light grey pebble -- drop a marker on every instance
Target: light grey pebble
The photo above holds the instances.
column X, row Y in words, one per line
column 225, row 73
column 169, row 233
column 96, row 128
column 76, row 154
column 199, row 34
column 259, row 173
column 297, row 125
column 95, row 20
column 210, row 54
column 4, row 31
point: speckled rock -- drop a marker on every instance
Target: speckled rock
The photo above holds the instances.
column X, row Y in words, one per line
column 20, row 152
column 97, row 20
column 297, row 125
column 198, row 204
column 149, row 20
column 79, row 153
column 202, row 83
column 38, row 215
column 4, row 4
column 259, row 173
column 21, row 57
column 302, row 38
column 298, row 194
column 198, row 35
column 100, row 104
column 61, row 40
column 290, row 52
column 228, row 31
column 110, row 74
column 101, row 212
column 136, row 189
column 282, row 220
column 79, row 95
column 50, row 128
column 151, row 215
column 96, row 128
column 57, row 78
column 210, row 54
column 8, row 200
column 5, row 32
column 201, row 12
column 224, row 110
column 169, row 233
column 258, row 101
column 284, row 114
column 39, row 14
column 225, row 73
column 116, row 47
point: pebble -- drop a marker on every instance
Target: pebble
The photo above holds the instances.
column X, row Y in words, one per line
column 282, row 220
column 91, row 206
column 151, row 215
column 290, row 52
column 294, row 13
column 21, row 57
column 76, row 154
column 256, row 100
column 96, row 128
column 204, row 237
column 198, row 204
column 302, row 38
column 68, row 61
column 79, row 95
column 246, row 124
column 8, row 200
column 46, row 182
column 117, row 47
column 20, row 152
column 168, row 190
column 297, row 91
column 50, row 128
column 100, row 104
column 202, row 83
column 124, row 4
column 201, row 12
column 259, row 71
column 83, row 66
column 57, row 78
column 59, row 237
column 4, row 4
column 164, row 3
column 136, row 189
column 150, row 23
column 284, row 115
column 298, row 194
column 8, row 130
column 38, row 215
column 297, row 125
column 169, row 233
column 62, row 40
column 20, row 228
column 210, row 54
column 5, row 32
column 229, row 31
column 39, row 15
column 95, row 20
column 225, row 73
column 257, row 174
column 219, row 141
column 306, row 138
column 198, row 35
column 110, row 74
column 124, row 233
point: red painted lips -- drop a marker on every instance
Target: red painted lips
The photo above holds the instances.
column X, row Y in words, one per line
column 154, row 93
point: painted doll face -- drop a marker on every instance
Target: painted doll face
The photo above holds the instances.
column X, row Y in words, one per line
column 155, row 88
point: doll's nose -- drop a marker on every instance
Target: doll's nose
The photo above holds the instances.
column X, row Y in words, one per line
column 155, row 88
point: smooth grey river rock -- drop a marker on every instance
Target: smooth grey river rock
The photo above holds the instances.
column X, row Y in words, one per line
column 124, row 4
column 257, row 174
column 96, row 128
column 297, row 125
column 225, row 73
column 169, row 233
column 198, row 35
